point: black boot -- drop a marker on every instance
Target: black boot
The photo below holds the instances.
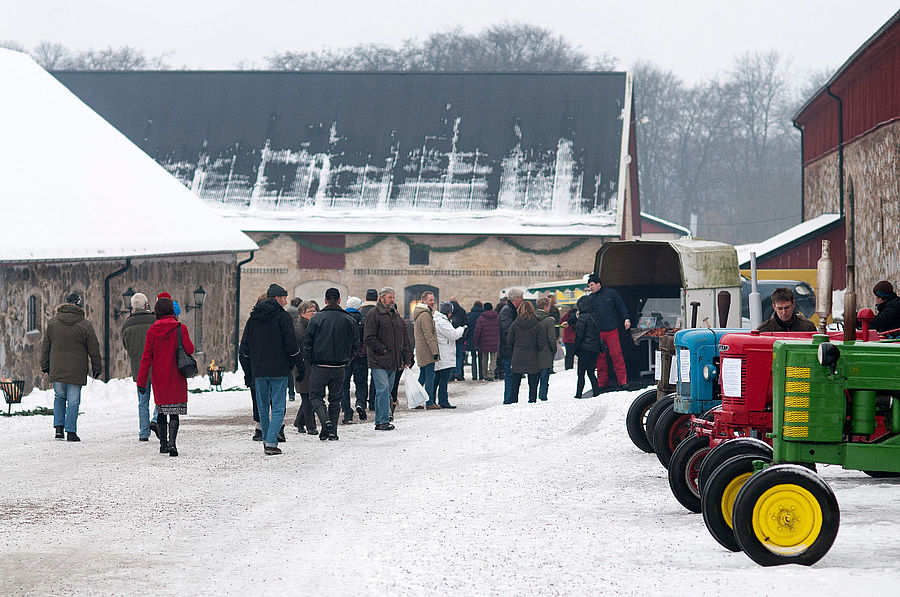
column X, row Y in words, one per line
column 72, row 437
column 173, row 432
column 281, row 437
column 327, row 430
column 162, row 432
column 59, row 432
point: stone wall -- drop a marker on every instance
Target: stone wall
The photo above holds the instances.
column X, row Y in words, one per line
column 50, row 283
column 872, row 175
column 476, row 273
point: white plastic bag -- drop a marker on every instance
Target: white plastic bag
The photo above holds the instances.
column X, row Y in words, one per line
column 560, row 354
column 415, row 393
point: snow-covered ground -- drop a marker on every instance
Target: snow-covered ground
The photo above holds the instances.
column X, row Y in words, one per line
column 548, row 498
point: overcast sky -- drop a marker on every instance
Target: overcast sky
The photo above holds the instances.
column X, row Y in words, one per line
column 696, row 39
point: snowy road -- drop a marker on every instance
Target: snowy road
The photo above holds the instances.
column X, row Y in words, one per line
column 548, row 498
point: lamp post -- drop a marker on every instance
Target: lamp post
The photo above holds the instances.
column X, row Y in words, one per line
column 199, row 298
column 126, row 298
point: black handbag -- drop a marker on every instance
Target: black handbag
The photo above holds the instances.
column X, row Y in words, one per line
column 186, row 363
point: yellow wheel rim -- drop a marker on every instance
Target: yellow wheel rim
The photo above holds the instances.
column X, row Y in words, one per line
column 730, row 494
column 787, row 519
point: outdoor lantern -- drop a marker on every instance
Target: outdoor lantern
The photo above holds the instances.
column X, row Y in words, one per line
column 126, row 297
column 199, row 297
column 215, row 376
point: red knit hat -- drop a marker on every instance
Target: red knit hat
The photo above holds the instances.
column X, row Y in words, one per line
column 164, row 295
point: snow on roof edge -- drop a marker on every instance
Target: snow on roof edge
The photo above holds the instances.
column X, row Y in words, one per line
column 795, row 233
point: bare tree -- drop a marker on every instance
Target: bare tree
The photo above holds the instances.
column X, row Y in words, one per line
column 11, row 44
column 524, row 47
column 51, row 55
column 109, row 58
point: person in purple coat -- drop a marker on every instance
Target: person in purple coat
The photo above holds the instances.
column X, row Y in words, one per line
column 487, row 340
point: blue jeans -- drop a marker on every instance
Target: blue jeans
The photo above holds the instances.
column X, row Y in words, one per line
column 66, row 400
column 440, row 385
column 544, row 384
column 271, row 393
column 426, row 378
column 460, row 357
column 144, row 412
column 384, row 381
column 506, row 361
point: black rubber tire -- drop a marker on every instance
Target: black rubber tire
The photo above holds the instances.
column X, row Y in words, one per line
column 670, row 430
column 637, row 416
column 720, row 483
column 730, row 449
column 750, row 497
column 684, row 469
column 882, row 474
column 653, row 415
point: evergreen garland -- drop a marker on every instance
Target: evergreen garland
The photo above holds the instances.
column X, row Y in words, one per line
column 453, row 249
column 564, row 249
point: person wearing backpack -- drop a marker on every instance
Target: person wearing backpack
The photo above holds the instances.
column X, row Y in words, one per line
column 588, row 346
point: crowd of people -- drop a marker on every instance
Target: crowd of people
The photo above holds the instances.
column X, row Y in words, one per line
column 316, row 352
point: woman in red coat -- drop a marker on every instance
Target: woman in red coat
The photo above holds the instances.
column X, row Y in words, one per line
column 169, row 385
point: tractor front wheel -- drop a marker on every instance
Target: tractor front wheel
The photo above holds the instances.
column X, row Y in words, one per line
column 637, row 418
column 719, row 493
column 672, row 427
column 684, row 470
column 653, row 416
column 786, row 514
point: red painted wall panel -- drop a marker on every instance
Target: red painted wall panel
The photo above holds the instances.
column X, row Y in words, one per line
column 806, row 255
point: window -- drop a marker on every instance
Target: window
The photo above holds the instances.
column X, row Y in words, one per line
column 418, row 255
column 32, row 319
column 310, row 258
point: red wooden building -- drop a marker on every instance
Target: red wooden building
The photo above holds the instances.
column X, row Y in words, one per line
column 850, row 139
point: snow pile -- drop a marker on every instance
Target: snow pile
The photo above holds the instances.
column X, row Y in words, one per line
column 74, row 187
column 548, row 498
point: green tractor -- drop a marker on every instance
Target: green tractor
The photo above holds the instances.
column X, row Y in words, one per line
column 833, row 403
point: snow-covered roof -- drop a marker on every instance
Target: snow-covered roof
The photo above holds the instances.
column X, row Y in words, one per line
column 74, row 187
column 666, row 223
column 406, row 221
column 781, row 239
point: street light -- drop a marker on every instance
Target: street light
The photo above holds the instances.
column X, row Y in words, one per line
column 126, row 298
column 199, row 298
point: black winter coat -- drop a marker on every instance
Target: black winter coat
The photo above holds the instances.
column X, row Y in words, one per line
column 269, row 343
column 608, row 309
column 331, row 337
column 474, row 314
column 888, row 317
column 507, row 317
column 587, row 332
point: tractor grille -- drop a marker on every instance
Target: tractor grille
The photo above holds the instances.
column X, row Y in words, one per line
column 796, row 402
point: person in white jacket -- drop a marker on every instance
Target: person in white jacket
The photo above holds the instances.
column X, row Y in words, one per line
column 447, row 335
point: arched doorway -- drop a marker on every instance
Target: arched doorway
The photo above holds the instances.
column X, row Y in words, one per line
column 412, row 294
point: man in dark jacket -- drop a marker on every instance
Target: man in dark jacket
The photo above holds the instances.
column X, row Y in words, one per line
column 388, row 349
column 487, row 341
column 507, row 316
column 474, row 313
column 134, row 334
column 367, row 305
column 271, row 345
column 459, row 318
column 785, row 318
column 609, row 312
column 68, row 343
column 888, row 306
column 331, row 340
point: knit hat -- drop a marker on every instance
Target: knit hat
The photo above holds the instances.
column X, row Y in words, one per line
column 332, row 294
column 275, row 290
column 446, row 308
column 74, row 299
column 353, row 302
column 164, row 295
column 371, row 294
column 883, row 289
column 488, row 307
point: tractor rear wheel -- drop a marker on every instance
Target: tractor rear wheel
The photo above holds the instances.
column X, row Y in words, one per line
column 730, row 449
column 653, row 416
column 637, row 418
column 718, row 497
column 671, row 429
column 786, row 514
column 684, row 469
